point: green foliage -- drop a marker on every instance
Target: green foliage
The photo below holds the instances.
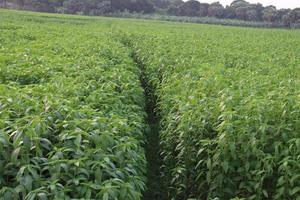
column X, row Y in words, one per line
column 72, row 117
column 239, row 12
column 71, row 112
column 229, row 102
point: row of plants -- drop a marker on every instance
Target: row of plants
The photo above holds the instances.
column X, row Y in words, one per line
column 72, row 108
column 200, row 20
column 71, row 112
column 230, row 109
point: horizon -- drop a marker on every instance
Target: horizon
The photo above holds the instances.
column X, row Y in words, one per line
column 278, row 3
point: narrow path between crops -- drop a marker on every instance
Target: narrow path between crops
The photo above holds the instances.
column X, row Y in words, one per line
column 154, row 185
column 152, row 149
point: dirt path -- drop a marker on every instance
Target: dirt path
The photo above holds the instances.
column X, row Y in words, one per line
column 154, row 185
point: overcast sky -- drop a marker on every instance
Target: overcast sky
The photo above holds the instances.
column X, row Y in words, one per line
column 277, row 3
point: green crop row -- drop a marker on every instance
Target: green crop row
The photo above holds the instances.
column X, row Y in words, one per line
column 229, row 100
column 72, row 109
column 71, row 112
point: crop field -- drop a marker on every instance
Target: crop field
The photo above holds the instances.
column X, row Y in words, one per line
column 123, row 109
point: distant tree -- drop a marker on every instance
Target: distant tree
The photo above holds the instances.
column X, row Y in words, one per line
column 281, row 13
column 160, row 4
column 269, row 14
column 120, row 5
column 175, row 7
column 37, row 5
column 20, row 3
column 259, row 9
column 3, row 3
column 229, row 12
column 216, row 10
column 144, row 6
column 97, row 7
column 190, row 8
column 73, row 6
column 173, row 10
column 292, row 17
column 203, row 10
column 239, row 3
column 248, row 13
column 252, row 15
column 238, row 9
column 141, row 6
column 56, row 3
column 241, row 9
column 104, row 7
column 175, row 2
column 241, row 12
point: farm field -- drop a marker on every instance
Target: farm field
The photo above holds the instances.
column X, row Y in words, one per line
column 123, row 109
column 229, row 103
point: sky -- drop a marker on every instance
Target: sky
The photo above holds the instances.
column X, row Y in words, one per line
column 278, row 3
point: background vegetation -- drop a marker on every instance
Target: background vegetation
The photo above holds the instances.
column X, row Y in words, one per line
column 238, row 10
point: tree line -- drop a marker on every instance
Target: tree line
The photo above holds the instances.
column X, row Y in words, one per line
column 238, row 9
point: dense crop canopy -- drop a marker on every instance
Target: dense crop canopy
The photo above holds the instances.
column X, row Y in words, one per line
column 72, row 109
column 71, row 113
column 230, row 105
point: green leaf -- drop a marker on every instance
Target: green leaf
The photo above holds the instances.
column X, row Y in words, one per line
column 294, row 191
column 42, row 196
column 105, row 196
column 15, row 155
